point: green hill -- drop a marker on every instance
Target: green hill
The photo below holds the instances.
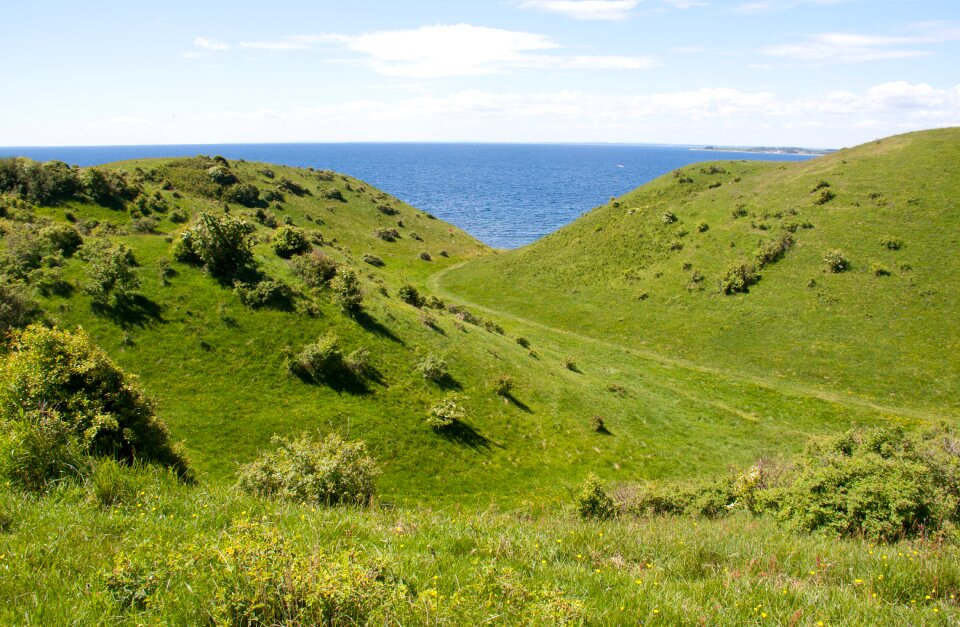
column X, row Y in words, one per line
column 217, row 367
column 610, row 347
column 650, row 271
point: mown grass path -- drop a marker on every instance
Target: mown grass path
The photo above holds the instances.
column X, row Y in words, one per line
column 783, row 386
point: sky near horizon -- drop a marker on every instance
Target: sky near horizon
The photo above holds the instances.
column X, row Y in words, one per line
column 813, row 73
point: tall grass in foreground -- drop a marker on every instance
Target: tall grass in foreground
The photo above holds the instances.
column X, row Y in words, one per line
column 153, row 550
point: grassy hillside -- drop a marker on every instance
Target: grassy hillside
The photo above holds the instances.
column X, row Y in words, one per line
column 646, row 271
column 622, row 363
column 216, row 367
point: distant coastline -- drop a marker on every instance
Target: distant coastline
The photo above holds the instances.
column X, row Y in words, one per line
column 767, row 150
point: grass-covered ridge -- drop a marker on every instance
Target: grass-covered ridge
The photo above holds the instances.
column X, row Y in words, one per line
column 838, row 275
column 260, row 319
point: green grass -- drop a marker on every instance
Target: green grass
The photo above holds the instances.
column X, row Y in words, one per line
column 454, row 566
column 889, row 340
column 689, row 383
column 216, row 367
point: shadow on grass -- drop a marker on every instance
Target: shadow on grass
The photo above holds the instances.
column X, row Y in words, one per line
column 446, row 382
column 465, row 435
column 135, row 310
column 369, row 323
column 340, row 382
column 513, row 400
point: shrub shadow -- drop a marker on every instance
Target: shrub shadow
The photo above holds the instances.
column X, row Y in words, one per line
column 134, row 310
column 369, row 323
column 513, row 400
column 465, row 435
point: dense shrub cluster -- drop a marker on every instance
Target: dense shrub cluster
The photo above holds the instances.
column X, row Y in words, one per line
column 410, row 295
column 319, row 361
column 836, row 261
column 738, row 277
column 881, row 483
column 289, row 241
column 111, row 271
column 221, row 244
column 433, row 368
column 331, row 471
column 347, row 293
column 593, row 501
column 314, row 269
column 60, row 396
column 387, row 235
column 774, row 250
column 265, row 293
column 446, row 412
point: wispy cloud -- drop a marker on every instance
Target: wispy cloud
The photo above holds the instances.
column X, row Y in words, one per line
column 453, row 50
column 586, row 9
column 751, row 7
column 855, row 47
column 210, row 44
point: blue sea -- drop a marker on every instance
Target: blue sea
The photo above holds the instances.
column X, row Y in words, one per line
column 506, row 195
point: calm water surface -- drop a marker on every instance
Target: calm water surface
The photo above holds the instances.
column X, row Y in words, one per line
column 506, row 195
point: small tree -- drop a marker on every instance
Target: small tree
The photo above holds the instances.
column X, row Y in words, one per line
column 433, row 368
column 346, row 292
column 111, row 270
column 446, row 412
column 593, row 500
column 289, row 241
column 221, row 244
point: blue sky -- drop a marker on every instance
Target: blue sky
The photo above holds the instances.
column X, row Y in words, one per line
column 819, row 73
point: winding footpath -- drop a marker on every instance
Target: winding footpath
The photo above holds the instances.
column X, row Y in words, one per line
column 434, row 283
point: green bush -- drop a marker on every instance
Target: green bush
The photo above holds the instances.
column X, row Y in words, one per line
column 836, row 261
column 880, row 483
column 669, row 217
column 824, row 197
column 289, row 241
column 221, row 244
column 891, row 243
column 774, row 250
column 433, row 368
column 315, row 269
column 243, row 194
column 738, row 277
column 387, row 235
column 446, row 412
column 111, row 270
column 55, row 377
column 503, row 385
column 879, row 269
column 410, row 295
column 61, row 238
column 346, row 292
column 334, row 194
column 331, row 471
column 593, row 501
column 373, row 260
column 38, row 449
column 320, row 361
column 266, row 293
column 17, row 308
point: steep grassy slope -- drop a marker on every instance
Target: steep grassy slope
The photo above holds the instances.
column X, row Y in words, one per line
column 645, row 271
column 217, row 367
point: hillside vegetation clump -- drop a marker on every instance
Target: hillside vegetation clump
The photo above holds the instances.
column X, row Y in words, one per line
column 59, row 395
column 327, row 471
column 220, row 244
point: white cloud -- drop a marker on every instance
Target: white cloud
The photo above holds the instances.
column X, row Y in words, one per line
column 716, row 115
column 444, row 50
column 854, row 47
column 586, row 9
column 210, row 44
